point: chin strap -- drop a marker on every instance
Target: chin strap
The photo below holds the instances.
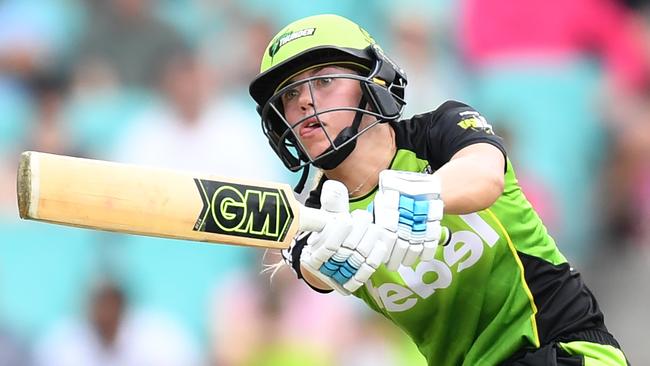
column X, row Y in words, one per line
column 303, row 179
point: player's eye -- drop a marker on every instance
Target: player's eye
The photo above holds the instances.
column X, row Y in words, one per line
column 290, row 95
column 323, row 82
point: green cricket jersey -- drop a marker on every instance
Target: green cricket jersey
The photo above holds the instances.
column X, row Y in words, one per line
column 500, row 286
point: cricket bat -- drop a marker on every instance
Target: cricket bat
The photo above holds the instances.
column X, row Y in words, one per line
column 134, row 199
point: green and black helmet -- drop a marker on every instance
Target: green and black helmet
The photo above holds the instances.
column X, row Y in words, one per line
column 316, row 41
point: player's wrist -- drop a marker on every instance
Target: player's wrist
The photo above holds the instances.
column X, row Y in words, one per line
column 313, row 281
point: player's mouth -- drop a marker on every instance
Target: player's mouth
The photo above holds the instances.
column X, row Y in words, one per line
column 311, row 127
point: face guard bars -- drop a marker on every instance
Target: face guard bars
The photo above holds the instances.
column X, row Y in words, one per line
column 385, row 104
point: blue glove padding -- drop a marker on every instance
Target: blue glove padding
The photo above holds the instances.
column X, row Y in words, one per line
column 350, row 247
column 409, row 204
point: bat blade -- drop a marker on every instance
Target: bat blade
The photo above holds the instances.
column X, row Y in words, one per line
column 148, row 201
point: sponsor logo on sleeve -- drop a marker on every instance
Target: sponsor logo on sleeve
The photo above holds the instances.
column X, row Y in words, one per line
column 474, row 121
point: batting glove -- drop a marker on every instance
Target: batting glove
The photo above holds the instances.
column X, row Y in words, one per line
column 350, row 247
column 409, row 205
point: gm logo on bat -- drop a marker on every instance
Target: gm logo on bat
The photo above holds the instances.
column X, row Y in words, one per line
column 242, row 210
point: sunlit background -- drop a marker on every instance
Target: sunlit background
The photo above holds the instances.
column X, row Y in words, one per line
column 165, row 83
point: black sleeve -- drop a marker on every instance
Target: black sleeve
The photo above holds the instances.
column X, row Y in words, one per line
column 453, row 126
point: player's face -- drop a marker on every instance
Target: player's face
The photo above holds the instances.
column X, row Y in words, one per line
column 300, row 103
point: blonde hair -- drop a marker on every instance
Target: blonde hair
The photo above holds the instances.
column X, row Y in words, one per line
column 272, row 268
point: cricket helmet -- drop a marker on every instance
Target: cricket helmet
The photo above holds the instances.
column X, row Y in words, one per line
column 323, row 40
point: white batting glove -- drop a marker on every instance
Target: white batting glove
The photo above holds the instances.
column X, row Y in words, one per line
column 409, row 205
column 350, row 247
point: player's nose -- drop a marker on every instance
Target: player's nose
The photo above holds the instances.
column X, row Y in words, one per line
column 305, row 99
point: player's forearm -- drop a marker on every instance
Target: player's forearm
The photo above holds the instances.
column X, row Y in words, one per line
column 473, row 180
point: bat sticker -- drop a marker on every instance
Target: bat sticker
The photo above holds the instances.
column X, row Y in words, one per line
column 243, row 210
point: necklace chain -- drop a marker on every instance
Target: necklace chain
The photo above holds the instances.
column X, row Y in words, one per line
column 358, row 188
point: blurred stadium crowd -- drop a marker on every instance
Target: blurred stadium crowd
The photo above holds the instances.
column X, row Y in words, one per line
column 164, row 82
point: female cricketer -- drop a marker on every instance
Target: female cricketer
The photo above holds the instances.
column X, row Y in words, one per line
column 429, row 226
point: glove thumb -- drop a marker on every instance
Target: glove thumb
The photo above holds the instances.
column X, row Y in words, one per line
column 334, row 197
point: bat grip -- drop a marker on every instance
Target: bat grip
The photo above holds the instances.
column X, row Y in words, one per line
column 312, row 219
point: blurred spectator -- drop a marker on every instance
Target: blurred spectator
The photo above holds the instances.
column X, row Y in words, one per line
column 634, row 4
column 37, row 35
column 240, row 64
column 47, row 131
column 538, row 194
column 44, row 130
column 542, row 78
column 15, row 112
column 98, row 109
column 364, row 11
column 12, row 351
column 115, row 335
column 257, row 323
column 561, row 31
column 194, row 127
column 127, row 39
column 32, row 253
column 30, row 42
column 419, row 45
column 627, row 177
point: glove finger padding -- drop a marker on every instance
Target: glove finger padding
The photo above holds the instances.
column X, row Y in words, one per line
column 361, row 251
column 345, row 261
column 362, row 220
column 409, row 204
column 334, row 197
column 397, row 254
column 349, row 248
column 434, row 231
column 322, row 245
column 379, row 240
column 326, row 243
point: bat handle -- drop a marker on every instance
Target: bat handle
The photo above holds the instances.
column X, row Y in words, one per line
column 312, row 219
